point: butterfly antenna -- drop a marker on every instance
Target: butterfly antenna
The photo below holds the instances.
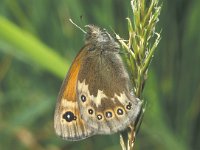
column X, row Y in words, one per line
column 77, row 26
column 81, row 19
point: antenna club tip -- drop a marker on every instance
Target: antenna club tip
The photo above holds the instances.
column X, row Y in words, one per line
column 77, row 26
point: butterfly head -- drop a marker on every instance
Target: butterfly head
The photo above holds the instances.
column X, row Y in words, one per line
column 100, row 38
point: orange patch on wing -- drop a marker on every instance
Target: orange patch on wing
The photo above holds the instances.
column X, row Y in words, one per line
column 69, row 92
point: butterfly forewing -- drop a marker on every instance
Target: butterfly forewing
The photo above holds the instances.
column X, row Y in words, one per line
column 67, row 119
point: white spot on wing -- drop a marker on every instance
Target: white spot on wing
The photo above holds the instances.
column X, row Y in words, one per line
column 83, row 89
column 100, row 95
column 122, row 98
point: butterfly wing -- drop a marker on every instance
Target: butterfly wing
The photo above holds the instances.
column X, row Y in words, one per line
column 67, row 119
column 104, row 98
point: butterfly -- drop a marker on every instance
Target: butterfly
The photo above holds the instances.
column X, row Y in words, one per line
column 95, row 97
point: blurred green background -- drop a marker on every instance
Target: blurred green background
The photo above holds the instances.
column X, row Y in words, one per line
column 38, row 43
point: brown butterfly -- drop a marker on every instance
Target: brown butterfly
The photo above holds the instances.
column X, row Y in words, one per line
column 95, row 97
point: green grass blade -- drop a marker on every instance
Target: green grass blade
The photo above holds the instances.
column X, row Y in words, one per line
column 33, row 49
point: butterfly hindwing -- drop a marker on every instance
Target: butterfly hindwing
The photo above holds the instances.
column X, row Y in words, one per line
column 104, row 98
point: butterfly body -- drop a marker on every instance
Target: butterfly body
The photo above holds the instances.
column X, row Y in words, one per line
column 95, row 97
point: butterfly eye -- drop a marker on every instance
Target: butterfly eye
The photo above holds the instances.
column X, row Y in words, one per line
column 83, row 98
column 69, row 116
column 120, row 111
column 129, row 106
column 91, row 48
